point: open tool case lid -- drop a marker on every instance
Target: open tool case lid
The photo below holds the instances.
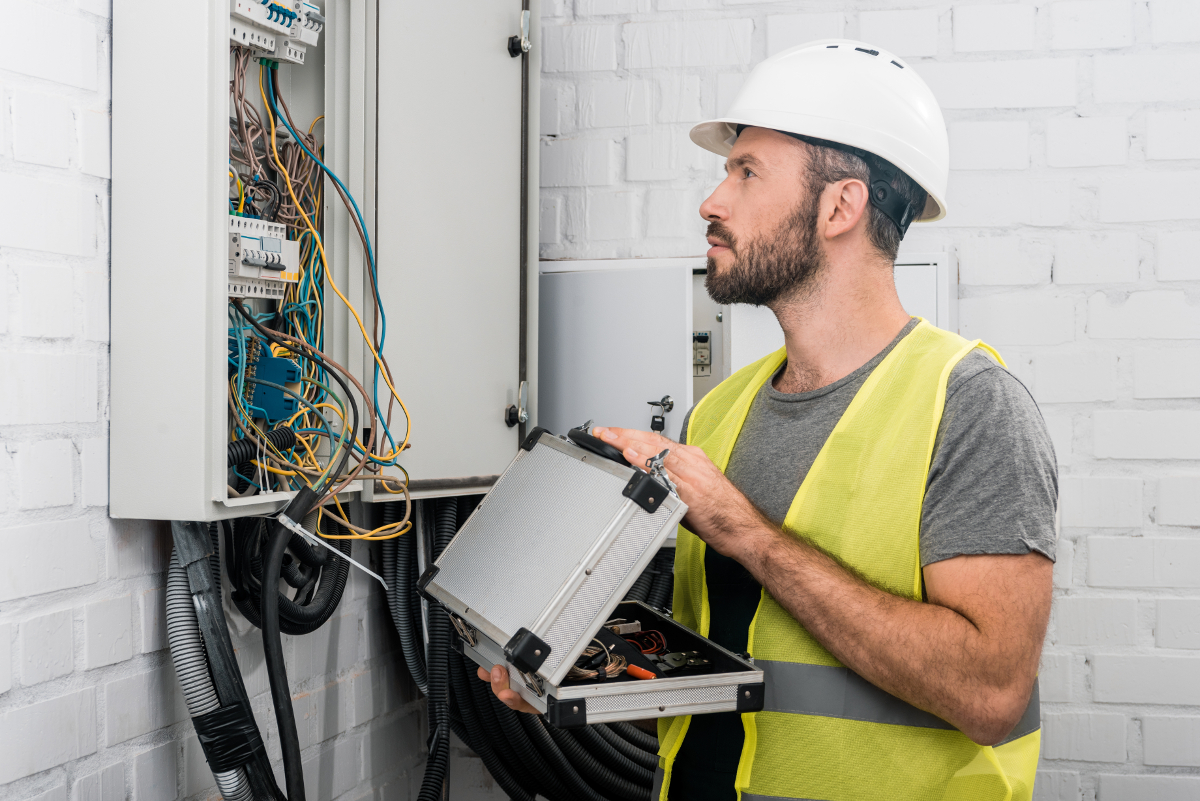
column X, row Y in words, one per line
column 552, row 549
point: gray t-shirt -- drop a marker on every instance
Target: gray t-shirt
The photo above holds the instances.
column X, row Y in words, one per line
column 993, row 480
column 992, row 489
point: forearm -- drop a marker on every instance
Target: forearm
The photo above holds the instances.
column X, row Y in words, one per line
column 929, row 655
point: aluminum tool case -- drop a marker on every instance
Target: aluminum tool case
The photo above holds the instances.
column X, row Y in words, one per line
column 546, row 559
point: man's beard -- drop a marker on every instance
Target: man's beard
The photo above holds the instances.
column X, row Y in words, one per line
column 783, row 263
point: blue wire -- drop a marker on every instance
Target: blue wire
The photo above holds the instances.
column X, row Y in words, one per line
column 243, row 478
column 370, row 251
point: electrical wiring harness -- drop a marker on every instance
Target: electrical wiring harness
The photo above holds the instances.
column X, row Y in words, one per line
column 526, row 756
column 283, row 184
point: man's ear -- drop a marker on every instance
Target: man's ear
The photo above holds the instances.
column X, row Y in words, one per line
column 847, row 204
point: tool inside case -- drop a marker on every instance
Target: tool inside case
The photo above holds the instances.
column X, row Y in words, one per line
column 535, row 577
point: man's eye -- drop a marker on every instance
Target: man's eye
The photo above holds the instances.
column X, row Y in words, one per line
column 748, row 172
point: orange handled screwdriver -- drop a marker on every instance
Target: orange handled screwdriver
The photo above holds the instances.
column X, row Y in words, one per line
column 639, row 673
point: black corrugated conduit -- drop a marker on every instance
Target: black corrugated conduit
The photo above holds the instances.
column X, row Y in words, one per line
column 203, row 657
column 243, row 450
column 647, row 759
column 191, row 668
column 525, row 755
column 400, row 574
column 642, row 739
column 257, row 556
column 603, row 779
column 438, row 664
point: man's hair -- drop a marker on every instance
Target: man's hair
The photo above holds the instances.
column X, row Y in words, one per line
column 827, row 165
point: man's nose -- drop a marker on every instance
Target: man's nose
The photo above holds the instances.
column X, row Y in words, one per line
column 714, row 207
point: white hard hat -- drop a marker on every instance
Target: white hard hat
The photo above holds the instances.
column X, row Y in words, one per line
column 849, row 93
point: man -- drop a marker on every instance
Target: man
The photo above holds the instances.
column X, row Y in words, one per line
column 871, row 509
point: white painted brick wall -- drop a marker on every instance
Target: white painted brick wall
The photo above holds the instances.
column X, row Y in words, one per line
column 90, row 709
column 980, row 28
column 1172, row 741
column 1075, row 154
column 1179, row 500
column 1178, row 623
column 1091, row 24
column 1073, row 141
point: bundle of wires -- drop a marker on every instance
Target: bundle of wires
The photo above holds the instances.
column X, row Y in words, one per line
column 526, row 756
column 298, row 329
column 316, row 452
column 597, row 660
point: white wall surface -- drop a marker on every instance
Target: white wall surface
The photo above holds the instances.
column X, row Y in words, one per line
column 1075, row 216
column 89, row 706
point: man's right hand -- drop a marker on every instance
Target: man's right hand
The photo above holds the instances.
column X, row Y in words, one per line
column 498, row 678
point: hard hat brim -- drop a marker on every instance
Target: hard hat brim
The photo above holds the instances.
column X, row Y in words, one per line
column 718, row 136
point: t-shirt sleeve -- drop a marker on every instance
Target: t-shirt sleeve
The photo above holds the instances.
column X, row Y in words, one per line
column 683, row 428
column 993, row 479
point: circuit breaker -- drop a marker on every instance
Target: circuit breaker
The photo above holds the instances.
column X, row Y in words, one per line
column 299, row 246
column 701, row 354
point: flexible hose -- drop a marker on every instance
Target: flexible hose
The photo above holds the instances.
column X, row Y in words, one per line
column 281, row 695
column 608, row 755
column 191, row 667
column 484, row 704
column 593, row 771
column 398, row 567
column 296, row 618
column 527, row 753
column 477, row 738
column 664, row 578
column 440, row 637
column 647, row 759
column 630, row 733
column 539, row 734
column 641, row 588
column 243, row 450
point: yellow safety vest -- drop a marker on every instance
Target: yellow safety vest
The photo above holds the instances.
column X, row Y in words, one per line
column 826, row 733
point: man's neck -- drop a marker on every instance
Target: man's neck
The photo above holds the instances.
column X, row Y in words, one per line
column 850, row 314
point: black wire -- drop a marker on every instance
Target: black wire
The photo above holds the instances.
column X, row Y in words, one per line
column 281, row 694
column 316, row 359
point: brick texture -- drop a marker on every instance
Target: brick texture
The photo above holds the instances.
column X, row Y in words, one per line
column 1072, row 211
column 997, row 27
column 1073, row 216
column 90, row 709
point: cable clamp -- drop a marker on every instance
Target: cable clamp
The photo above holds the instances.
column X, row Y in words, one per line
column 293, row 526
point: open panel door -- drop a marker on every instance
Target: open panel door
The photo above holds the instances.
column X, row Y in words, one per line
column 448, row 152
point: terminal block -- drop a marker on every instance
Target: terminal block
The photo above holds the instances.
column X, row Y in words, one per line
column 262, row 260
column 262, row 401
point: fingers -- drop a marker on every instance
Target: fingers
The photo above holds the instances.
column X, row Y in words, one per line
column 616, row 435
column 498, row 678
column 642, row 444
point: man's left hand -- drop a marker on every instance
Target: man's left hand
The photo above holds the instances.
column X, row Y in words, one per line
column 717, row 510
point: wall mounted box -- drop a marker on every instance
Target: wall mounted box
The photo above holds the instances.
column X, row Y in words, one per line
column 411, row 153
column 545, row 560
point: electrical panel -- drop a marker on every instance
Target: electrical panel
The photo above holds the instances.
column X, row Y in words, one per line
column 320, row 299
column 593, row 366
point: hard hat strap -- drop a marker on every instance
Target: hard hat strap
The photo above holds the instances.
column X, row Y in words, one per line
column 882, row 172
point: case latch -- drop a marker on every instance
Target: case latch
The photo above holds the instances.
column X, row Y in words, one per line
column 648, row 490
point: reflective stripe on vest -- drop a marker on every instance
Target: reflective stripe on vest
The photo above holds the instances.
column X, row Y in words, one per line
column 838, row 692
column 826, row 733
